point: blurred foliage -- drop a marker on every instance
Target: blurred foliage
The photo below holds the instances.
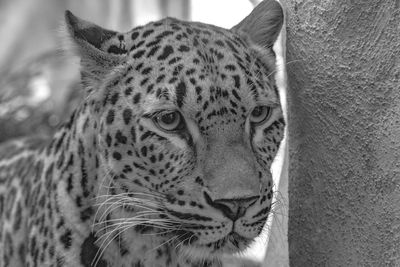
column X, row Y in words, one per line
column 39, row 96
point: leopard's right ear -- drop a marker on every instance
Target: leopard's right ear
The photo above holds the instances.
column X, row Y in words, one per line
column 264, row 23
column 100, row 49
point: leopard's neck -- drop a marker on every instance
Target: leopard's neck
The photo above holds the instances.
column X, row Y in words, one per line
column 72, row 160
column 73, row 154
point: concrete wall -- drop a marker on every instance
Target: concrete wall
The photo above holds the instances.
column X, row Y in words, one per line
column 344, row 132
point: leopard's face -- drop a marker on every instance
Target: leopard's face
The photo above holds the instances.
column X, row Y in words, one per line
column 189, row 124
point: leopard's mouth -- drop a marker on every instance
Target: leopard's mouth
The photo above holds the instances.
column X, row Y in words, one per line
column 233, row 242
column 229, row 244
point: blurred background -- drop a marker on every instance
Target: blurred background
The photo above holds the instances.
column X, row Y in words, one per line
column 39, row 82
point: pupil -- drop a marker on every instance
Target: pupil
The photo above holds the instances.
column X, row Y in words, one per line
column 168, row 118
column 257, row 112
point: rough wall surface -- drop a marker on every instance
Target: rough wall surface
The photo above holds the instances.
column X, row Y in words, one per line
column 344, row 132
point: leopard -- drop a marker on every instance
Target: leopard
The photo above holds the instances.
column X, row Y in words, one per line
column 167, row 159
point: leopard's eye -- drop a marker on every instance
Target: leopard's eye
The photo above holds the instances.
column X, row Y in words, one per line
column 260, row 114
column 169, row 120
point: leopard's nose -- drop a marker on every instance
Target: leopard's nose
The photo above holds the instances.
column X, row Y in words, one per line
column 233, row 208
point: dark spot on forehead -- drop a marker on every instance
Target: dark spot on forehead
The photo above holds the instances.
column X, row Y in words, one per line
column 110, row 116
column 180, row 93
column 147, row 33
column 183, row 48
column 153, row 51
column 164, row 34
column 167, row 51
column 134, row 35
column 138, row 54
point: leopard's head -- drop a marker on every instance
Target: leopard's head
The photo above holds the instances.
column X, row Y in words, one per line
column 188, row 123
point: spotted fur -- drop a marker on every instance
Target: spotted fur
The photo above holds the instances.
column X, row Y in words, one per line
column 115, row 186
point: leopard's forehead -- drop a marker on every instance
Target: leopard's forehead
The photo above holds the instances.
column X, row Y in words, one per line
column 176, row 32
column 212, row 74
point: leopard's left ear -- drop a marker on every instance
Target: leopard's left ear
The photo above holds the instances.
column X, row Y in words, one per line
column 263, row 24
column 100, row 49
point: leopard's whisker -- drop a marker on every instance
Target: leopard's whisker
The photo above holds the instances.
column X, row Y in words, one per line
column 107, row 174
column 129, row 199
column 130, row 194
column 123, row 227
column 115, row 206
column 117, row 202
column 103, row 246
column 152, row 222
column 162, row 244
column 180, row 244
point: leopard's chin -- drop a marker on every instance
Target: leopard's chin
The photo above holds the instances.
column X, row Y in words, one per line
column 230, row 244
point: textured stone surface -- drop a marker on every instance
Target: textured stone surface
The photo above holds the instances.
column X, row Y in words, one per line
column 344, row 132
